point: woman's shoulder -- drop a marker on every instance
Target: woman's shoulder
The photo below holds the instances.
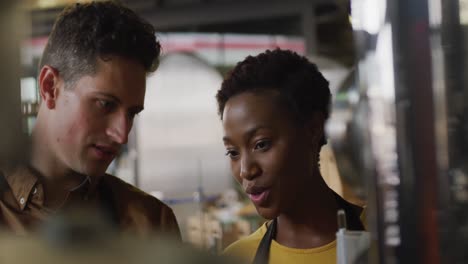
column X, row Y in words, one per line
column 247, row 246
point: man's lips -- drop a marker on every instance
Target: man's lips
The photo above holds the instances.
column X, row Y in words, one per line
column 105, row 151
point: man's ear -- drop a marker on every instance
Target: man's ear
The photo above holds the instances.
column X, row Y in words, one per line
column 49, row 82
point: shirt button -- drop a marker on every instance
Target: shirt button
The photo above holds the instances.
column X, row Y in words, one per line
column 34, row 191
column 22, row 200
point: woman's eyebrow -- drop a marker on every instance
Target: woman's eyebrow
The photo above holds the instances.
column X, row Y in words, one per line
column 249, row 132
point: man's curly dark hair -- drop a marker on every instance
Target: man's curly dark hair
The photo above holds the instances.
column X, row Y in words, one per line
column 302, row 88
column 85, row 32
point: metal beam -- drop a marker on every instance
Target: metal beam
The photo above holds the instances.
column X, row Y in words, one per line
column 207, row 13
column 225, row 12
column 309, row 29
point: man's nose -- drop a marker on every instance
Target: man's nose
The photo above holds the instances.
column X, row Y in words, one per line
column 119, row 128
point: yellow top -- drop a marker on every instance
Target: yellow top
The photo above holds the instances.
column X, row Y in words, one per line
column 245, row 249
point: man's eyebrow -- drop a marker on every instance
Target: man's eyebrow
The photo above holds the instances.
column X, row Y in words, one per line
column 110, row 96
column 134, row 109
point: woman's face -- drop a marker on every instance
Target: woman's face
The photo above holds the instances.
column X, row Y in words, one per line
column 272, row 157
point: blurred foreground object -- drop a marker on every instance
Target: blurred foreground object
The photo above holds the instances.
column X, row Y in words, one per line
column 12, row 29
column 83, row 237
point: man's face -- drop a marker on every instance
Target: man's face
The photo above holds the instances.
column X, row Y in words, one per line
column 270, row 155
column 91, row 119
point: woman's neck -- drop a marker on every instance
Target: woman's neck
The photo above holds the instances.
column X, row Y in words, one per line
column 312, row 221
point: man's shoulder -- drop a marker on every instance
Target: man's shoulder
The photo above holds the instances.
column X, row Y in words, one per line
column 139, row 211
column 130, row 194
column 3, row 182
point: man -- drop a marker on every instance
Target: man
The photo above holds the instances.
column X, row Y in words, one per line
column 92, row 84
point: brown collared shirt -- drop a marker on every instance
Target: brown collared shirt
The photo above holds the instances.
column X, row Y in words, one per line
column 22, row 208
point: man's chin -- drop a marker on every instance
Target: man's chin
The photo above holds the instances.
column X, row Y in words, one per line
column 95, row 171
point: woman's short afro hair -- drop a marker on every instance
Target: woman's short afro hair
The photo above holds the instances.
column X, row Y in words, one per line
column 301, row 86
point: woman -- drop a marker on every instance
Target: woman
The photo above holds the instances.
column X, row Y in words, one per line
column 273, row 108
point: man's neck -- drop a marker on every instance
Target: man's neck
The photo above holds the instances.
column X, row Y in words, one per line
column 57, row 179
column 41, row 158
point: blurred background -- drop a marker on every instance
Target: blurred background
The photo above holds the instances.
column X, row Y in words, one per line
column 398, row 130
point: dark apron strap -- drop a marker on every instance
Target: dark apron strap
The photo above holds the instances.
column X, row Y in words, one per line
column 263, row 251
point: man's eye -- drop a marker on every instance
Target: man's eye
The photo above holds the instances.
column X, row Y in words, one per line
column 263, row 145
column 105, row 104
column 132, row 115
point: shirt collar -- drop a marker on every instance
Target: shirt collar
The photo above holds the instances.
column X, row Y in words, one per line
column 21, row 181
column 84, row 188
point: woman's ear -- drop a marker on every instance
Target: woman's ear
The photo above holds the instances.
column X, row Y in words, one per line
column 49, row 81
column 315, row 128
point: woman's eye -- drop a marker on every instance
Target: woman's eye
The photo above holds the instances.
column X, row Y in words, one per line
column 232, row 153
column 263, row 145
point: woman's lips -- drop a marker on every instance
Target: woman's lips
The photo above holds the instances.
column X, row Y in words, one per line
column 259, row 198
